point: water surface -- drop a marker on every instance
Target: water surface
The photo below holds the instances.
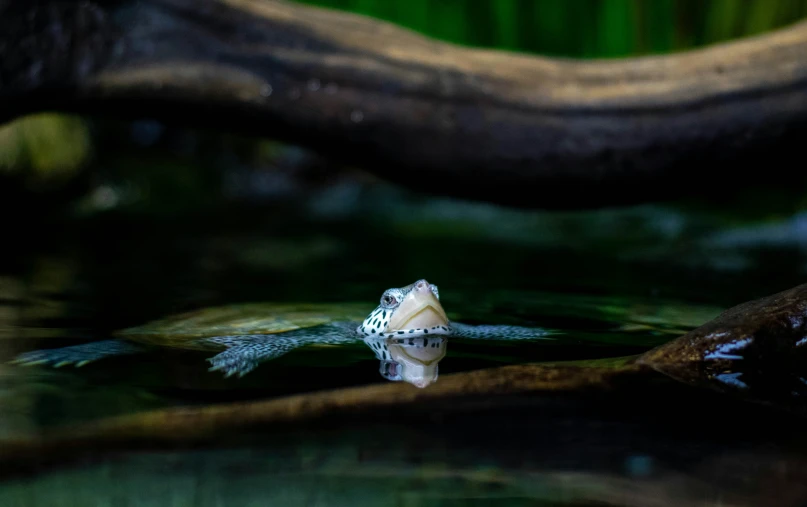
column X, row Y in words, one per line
column 612, row 282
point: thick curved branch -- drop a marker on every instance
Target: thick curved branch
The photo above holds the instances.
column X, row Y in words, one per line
column 472, row 123
column 182, row 427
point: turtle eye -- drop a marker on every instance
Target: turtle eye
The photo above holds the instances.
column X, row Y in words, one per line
column 391, row 298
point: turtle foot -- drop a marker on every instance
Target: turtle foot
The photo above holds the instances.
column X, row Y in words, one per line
column 246, row 352
column 77, row 355
column 232, row 362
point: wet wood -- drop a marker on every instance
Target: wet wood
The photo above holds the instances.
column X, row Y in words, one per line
column 774, row 327
column 757, row 350
column 502, row 127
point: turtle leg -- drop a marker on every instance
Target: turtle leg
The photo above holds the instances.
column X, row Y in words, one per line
column 245, row 352
column 488, row 332
column 78, row 354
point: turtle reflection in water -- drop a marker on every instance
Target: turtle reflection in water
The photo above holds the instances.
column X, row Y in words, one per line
column 407, row 332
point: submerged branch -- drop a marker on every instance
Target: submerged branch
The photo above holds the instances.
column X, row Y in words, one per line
column 507, row 128
column 475, row 391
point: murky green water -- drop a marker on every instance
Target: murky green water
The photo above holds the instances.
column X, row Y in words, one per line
column 613, row 282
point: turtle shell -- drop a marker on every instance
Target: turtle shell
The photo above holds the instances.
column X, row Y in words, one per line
column 185, row 329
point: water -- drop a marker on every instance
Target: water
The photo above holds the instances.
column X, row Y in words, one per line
column 614, row 282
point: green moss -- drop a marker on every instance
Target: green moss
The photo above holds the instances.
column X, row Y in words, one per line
column 49, row 147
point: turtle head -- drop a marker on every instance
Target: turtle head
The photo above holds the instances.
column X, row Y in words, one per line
column 413, row 310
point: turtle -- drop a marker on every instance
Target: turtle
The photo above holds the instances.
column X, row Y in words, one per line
column 407, row 332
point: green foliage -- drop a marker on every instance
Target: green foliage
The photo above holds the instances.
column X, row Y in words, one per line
column 582, row 28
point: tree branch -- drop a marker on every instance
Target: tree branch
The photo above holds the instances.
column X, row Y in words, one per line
column 503, row 127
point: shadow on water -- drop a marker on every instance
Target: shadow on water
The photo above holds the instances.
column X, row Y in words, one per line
column 614, row 282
